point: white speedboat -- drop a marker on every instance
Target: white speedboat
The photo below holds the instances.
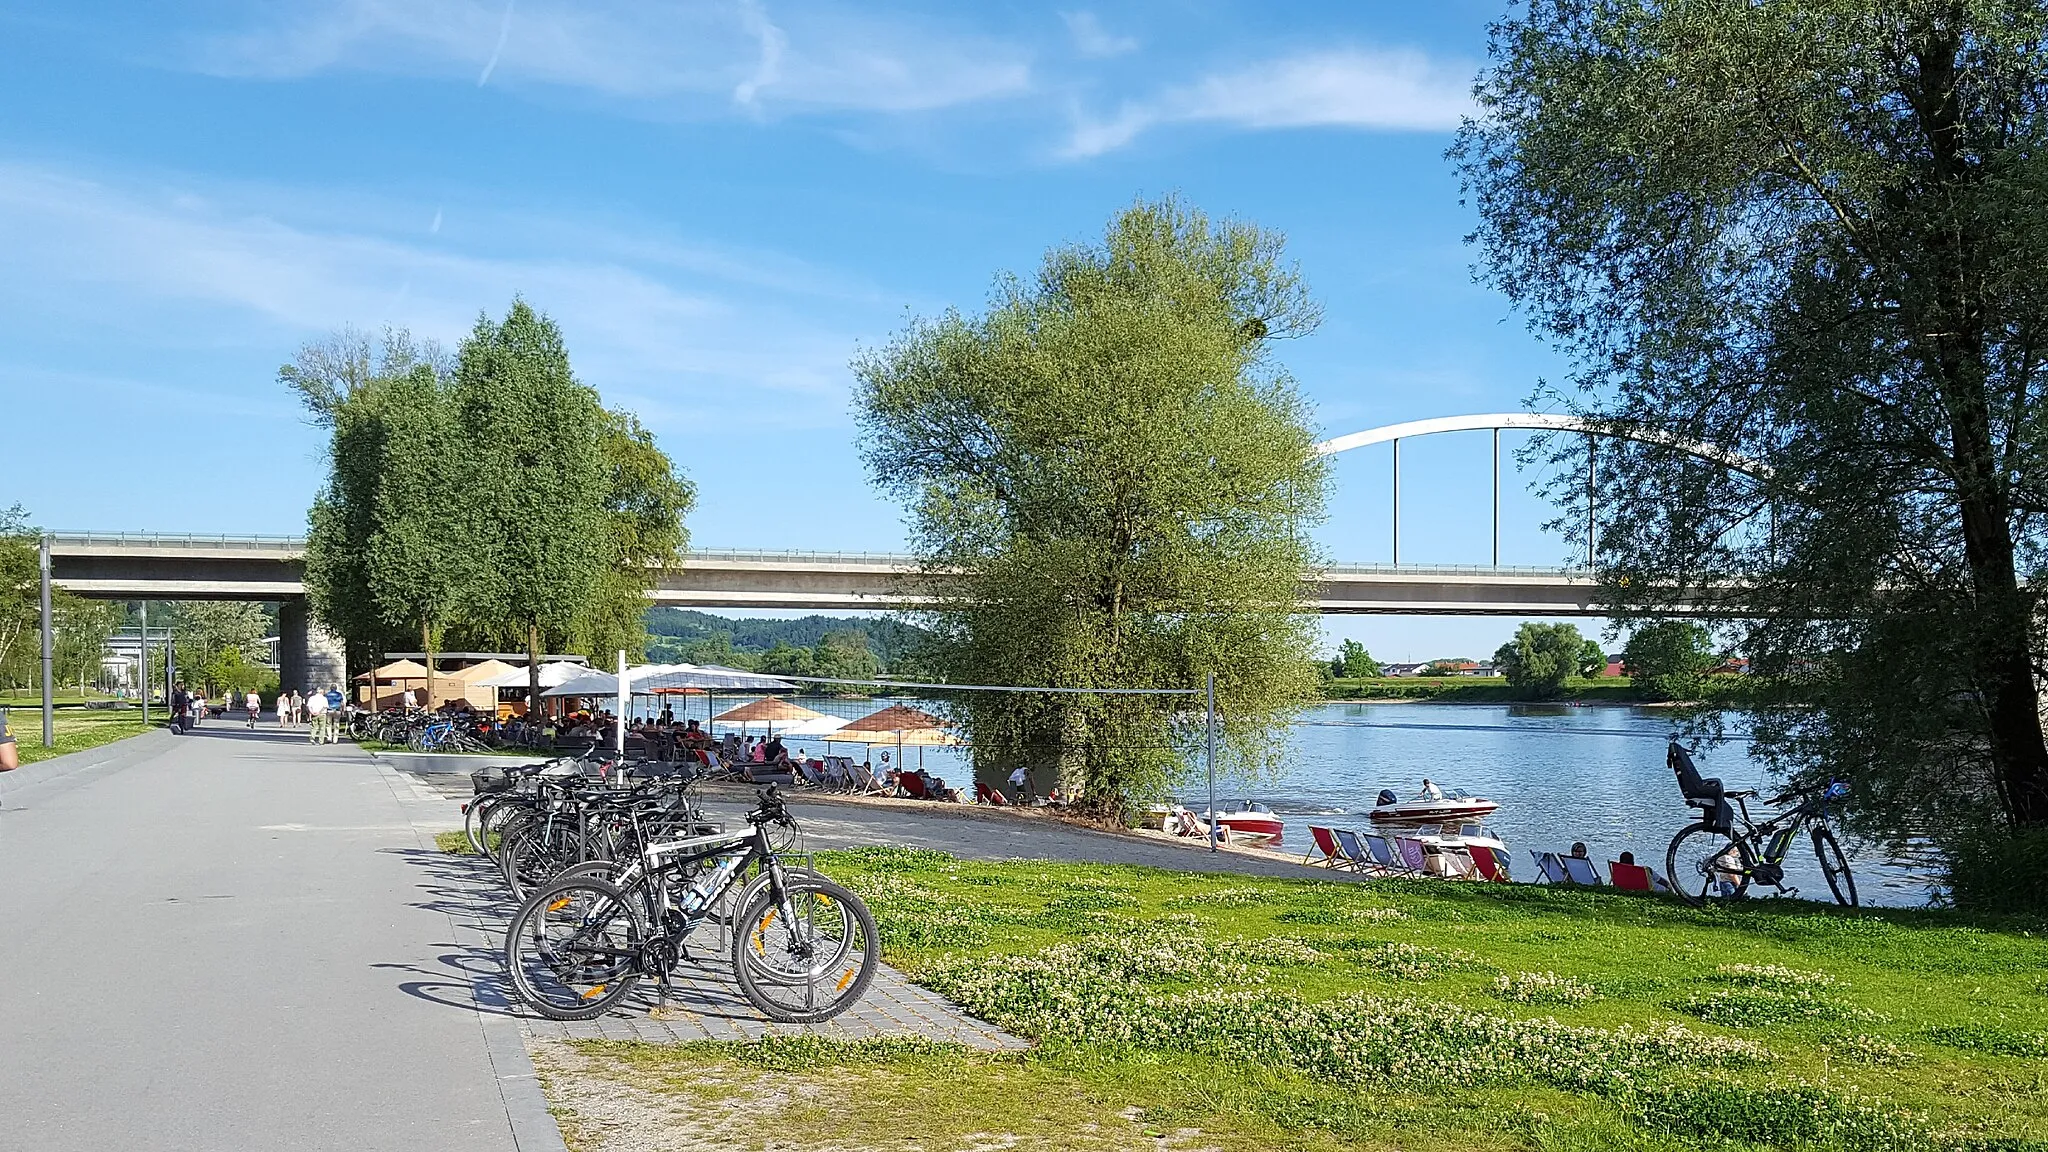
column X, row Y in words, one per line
column 1432, row 805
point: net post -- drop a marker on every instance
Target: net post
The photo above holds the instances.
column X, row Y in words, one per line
column 1212, row 760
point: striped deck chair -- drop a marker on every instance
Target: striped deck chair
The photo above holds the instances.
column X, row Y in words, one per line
column 1455, row 863
column 1580, row 870
column 1548, row 867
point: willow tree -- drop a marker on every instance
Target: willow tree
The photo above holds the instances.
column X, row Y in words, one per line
column 1813, row 233
column 537, row 475
column 1107, row 476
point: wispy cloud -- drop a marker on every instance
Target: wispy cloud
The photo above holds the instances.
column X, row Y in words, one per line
column 1092, row 39
column 691, row 57
column 671, row 326
column 1355, row 88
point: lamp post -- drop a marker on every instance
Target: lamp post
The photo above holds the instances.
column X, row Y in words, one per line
column 49, row 654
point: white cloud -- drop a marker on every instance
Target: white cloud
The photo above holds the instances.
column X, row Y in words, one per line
column 679, row 56
column 1354, row 88
column 672, row 327
column 1092, row 39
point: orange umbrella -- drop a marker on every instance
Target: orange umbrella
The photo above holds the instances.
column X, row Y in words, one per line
column 895, row 718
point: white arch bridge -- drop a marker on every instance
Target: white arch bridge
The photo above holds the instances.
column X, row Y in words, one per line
column 150, row 566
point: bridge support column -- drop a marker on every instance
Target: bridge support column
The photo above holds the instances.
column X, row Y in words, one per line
column 309, row 657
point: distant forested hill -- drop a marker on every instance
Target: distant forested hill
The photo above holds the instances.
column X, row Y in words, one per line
column 681, row 634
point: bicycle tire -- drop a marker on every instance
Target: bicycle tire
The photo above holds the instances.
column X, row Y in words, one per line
column 1685, row 868
column 593, row 903
column 770, row 961
column 1841, row 881
column 474, row 824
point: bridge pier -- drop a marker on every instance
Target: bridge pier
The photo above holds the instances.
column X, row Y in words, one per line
column 309, row 657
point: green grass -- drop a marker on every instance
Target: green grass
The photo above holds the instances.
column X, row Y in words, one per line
column 75, row 729
column 1415, row 1015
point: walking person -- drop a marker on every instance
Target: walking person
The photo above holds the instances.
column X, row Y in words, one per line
column 334, row 706
column 316, row 714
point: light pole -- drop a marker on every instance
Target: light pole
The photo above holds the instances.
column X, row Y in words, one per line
column 49, row 653
column 143, row 656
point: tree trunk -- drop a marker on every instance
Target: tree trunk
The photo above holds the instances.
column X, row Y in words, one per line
column 426, row 646
column 532, row 671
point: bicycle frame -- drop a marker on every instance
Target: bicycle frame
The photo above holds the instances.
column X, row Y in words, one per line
column 1771, row 841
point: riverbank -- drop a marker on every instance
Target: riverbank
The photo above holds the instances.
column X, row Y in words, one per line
column 1175, row 1009
column 1724, row 691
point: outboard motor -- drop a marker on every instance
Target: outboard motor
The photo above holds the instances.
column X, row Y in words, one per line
column 1387, row 797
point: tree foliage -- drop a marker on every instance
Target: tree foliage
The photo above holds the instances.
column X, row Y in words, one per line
column 1810, row 232
column 1540, row 658
column 1107, row 478
column 20, row 584
column 1352, row 660
column 1670, row 659
column 491, row 498
column 1592, row 659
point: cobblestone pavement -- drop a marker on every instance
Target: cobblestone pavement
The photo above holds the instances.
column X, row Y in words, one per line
column 704, row 999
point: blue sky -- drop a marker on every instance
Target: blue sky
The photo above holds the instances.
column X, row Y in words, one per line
column 720, row 202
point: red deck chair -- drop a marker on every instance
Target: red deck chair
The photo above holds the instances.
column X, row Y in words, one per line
column 1491, row 863
column 1632, row 877
column 1323, row 848
column 913, row 786
column 981, row 793
column 996, row 797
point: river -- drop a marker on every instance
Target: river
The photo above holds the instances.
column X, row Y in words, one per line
column 1560, row 773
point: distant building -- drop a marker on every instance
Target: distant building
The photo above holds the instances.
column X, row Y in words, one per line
column 1402, row 669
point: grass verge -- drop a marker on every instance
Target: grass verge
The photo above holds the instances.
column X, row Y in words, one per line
column 75, row 730
column 1190, row 1010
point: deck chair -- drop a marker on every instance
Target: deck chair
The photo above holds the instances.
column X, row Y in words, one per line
column 1580, row 870
column 981, row 793
column 1490, row 863
column 863, row 780
column 1385, row 860
column 1323, row 848
column 1629, row 877
column 1412, row 855
column 996, row 798
column 1549, row 868
column 1455, row 863
column 913, row 786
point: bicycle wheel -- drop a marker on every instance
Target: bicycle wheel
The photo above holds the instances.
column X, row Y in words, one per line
column 1835, row 866
column 1704, row 863
column 573, row 948
column 809, row 958
column 533, row 861
column 474, row 823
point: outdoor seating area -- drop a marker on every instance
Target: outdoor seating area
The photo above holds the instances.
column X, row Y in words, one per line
column 1453, row 852
column 1575, row 867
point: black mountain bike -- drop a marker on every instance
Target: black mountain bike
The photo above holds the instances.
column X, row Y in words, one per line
column 1713, row 858
column 803, row 948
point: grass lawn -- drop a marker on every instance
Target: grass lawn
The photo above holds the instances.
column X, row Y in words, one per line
column 76, row 729
column 1181, row 1011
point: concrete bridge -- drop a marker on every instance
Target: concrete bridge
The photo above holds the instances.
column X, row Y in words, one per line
column 125, row 566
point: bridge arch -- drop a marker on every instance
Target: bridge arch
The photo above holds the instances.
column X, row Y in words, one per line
column 1530, row 421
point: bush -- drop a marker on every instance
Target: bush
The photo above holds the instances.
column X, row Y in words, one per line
column 1669, row 659
column 1540, row 658
column 1998, row 869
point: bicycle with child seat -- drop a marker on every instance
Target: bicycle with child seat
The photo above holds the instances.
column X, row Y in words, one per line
column 1726, row 851
column 803, row 948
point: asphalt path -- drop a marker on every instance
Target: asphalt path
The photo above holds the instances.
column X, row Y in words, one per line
column 235, row 940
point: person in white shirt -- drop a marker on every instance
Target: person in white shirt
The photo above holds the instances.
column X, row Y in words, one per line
column 1017, row 783
column 316, row 716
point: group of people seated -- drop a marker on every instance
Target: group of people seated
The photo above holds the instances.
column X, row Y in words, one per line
column 1576, row 867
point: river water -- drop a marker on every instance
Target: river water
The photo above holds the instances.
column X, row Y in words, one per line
column 1560, row 773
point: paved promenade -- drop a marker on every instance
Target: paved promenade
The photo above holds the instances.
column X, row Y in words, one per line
column 236, row 940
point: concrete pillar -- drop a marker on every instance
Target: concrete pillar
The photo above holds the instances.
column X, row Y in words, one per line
column 310, row 658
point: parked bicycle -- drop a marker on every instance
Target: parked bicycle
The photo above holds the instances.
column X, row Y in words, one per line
column 803, row 948
column 1714, row 858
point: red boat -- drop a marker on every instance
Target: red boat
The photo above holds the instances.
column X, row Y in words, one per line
column 1253, row 818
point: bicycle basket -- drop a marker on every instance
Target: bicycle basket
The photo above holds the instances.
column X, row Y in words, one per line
column 489, row 780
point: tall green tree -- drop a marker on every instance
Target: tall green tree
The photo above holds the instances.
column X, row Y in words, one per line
column 418, row 561
column 1810, row 232
column 202, row 629
column 1353, row 661
column 645, row 502
column 1670, row 658
column 540, row 481
column 1108, row 477
column 20, row 583
column 83, row 628
column 1540, row 658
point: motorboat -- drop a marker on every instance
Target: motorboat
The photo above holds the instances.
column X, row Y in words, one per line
column 1432, row 805
column 1253, row 818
